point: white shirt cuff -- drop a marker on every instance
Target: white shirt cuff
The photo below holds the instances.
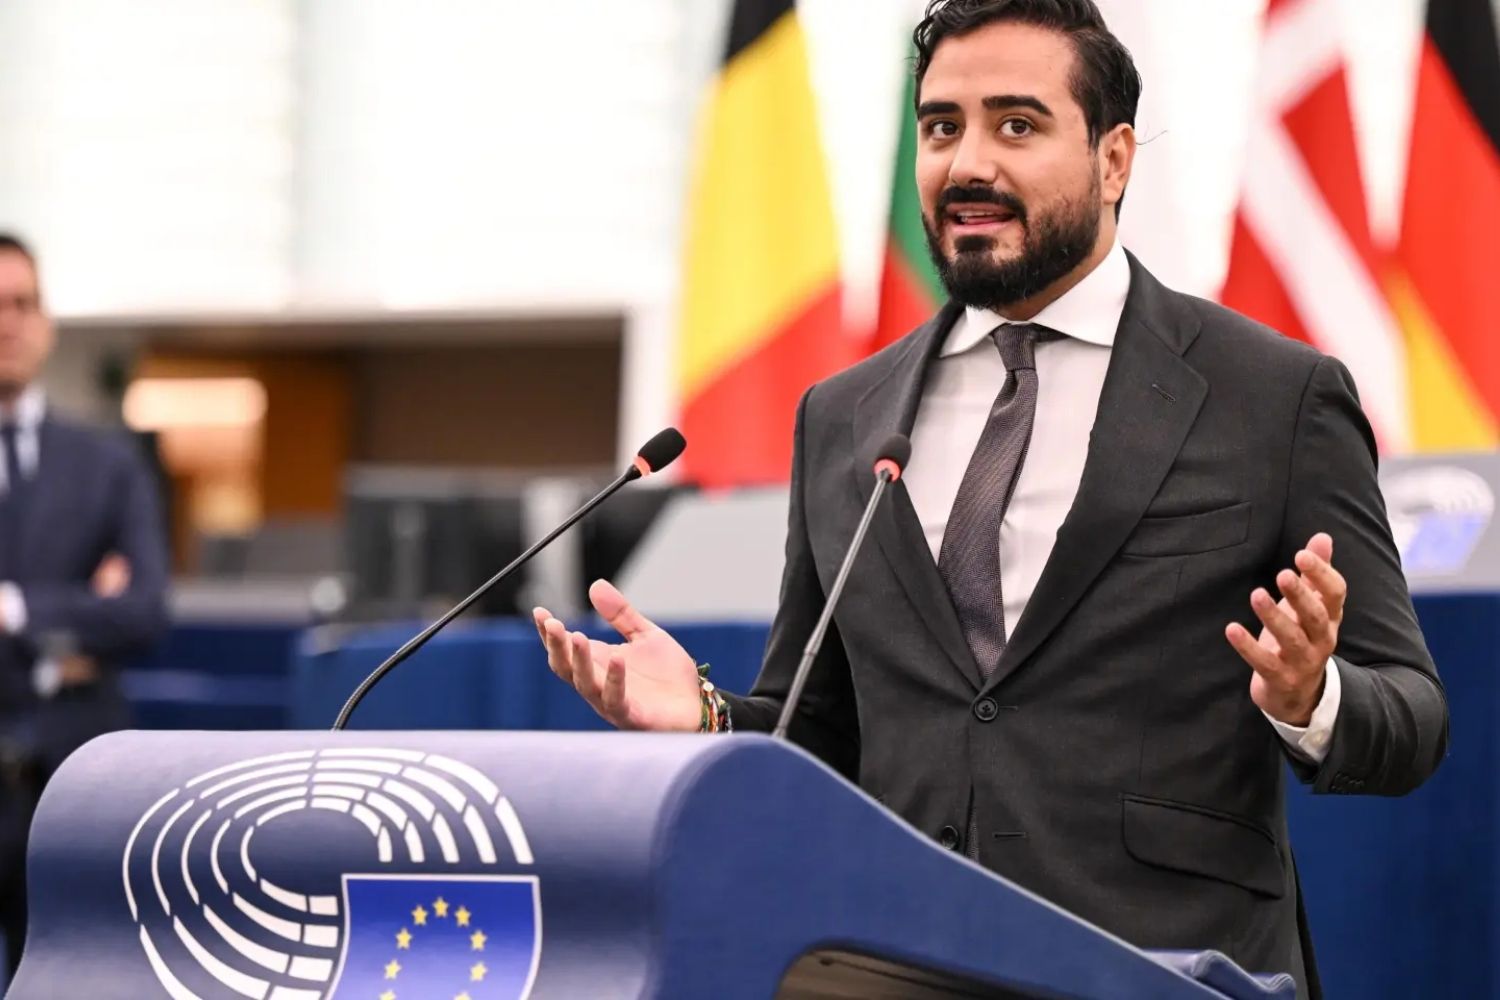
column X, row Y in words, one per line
column 12, row 609
column 1311, row 742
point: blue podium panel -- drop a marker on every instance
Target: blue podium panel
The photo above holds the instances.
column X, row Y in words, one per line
column 295, row 866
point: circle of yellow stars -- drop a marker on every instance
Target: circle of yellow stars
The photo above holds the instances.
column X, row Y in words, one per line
column 439, row 911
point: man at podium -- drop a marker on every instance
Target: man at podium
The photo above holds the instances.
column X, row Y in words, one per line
column 1138, row 560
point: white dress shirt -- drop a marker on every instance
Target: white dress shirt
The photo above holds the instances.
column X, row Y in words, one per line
column 27, row 413
column 961, row 385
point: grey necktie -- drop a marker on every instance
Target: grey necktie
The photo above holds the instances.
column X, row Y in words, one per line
column 969, row 558
column 9, row 434
column 11, row 501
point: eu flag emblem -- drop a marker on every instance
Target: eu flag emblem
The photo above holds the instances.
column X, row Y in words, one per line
column 476, row 938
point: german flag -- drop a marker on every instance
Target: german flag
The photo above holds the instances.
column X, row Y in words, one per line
column 761, row 318
column 1444, row 287
column 910, row 289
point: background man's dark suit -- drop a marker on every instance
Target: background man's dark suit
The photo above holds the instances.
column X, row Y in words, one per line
column 1117, row 763
column 92, row 495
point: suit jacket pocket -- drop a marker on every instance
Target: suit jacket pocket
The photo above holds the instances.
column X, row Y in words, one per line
column 1199, row 841
column 1186, row 534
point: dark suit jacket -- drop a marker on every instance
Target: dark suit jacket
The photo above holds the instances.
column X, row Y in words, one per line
column 1117, row 764
column 93, row 494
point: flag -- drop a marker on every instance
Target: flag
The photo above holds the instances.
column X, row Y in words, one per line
column 1303, row 260
column 475, row 938
column 1449, row 250
column 760, row 316
column 910, row 290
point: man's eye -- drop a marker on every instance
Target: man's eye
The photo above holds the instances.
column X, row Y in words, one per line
column 942, row 129
column 1015, row 128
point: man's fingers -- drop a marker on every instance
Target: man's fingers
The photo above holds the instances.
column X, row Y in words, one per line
column 1306, row 606
column 1328, row 582
column 76, row 670
column 612, row 700
column 555, row 638
column 112, row 576
column 1260, row 659
column 1288, row 633
column 596, row 670
column 1321, row 545
column 613, row 608
column 585, row 674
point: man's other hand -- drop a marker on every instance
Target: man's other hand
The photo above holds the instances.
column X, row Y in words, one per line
column 112, row 577
column 646, row 682
column 1301, row 631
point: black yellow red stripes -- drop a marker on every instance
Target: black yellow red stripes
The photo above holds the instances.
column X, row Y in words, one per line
column 1463, row 33
column 759, row 317
column 1443, row 285
column 750, row 20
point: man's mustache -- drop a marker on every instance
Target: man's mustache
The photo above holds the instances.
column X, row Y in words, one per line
column 979, row 195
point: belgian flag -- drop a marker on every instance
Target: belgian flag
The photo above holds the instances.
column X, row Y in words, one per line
column 1444, row 289
column 760, row 315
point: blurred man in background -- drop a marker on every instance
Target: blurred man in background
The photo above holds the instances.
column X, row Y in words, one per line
column 83, row 573
column 1045, row 660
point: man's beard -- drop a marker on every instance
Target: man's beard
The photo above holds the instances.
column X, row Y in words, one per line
column 1052, row 245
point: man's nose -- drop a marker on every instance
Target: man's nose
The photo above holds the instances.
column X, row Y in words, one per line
column 973, row 163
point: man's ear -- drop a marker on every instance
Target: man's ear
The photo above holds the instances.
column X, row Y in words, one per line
column 1116, row 160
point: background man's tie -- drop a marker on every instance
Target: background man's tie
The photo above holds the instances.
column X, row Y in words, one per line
column 12, row 499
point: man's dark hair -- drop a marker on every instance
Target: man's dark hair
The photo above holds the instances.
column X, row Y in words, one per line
column 14, row 243
column 1105, row 82
column 11, row 243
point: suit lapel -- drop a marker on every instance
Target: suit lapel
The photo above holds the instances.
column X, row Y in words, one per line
column 1151, row 397
column 890, row 407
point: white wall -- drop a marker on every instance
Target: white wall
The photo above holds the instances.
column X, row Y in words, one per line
column 147, row 149
column 469, row 154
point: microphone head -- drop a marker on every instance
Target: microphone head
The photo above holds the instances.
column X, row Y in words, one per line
column 661, row 451
column 894, row 455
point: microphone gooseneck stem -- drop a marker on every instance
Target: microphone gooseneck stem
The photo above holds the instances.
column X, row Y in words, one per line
column 418, row 641
column 815, row 641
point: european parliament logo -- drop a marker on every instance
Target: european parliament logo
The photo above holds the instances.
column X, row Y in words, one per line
column 1438, row 515
column 420, row 890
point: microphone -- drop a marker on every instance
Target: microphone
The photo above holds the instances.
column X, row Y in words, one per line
column 889, row 465
column 655, row 455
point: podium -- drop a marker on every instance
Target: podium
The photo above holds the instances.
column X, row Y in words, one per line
column 402, row 865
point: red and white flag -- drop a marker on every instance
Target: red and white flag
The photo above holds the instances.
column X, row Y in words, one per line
column 1303, row 260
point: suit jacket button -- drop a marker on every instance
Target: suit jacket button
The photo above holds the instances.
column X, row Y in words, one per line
column 985, row 710
column 948, row 837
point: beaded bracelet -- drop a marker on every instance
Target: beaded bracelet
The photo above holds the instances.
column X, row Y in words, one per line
column 714, row 709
